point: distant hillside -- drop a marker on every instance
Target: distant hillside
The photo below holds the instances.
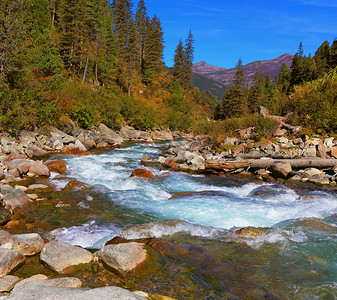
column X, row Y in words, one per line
column 204, row 84
column 225, row 76
column 204, row 68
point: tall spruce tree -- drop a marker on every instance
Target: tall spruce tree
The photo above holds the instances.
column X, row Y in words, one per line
column 189, row 56
column 12, row 41
column 333, row 55
column 178, row 70
column 141, row 23
column 322, row 58
column 282, row 80
column 234, row 103
column 153, row 49
column 256, row 92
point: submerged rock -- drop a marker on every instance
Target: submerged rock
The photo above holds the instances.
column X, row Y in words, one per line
column 60, row 257
column 252, row 231
column 123, row 257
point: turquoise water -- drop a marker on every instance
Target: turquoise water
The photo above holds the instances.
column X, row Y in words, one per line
column 298, row 248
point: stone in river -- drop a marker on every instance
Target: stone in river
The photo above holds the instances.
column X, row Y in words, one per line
column 280, row 169
column 252, row 231
column 58, row 166
column 142, row 172
column 123, row 257
column 60, row 257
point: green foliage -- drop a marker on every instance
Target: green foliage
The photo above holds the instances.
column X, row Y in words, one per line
column 138, row 114
column 315, row 104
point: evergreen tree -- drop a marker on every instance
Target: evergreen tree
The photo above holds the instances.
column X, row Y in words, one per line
column 12, row 41
column 333, row 55
column 271, row 99
column 189, row 56
column 282, row 80
column 141, row 23
column 234, row 103
column 178, row 70
column 153, row 49
column 256, row 92
column 322, row 58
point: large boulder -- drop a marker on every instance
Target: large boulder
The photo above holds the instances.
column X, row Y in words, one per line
column 61, row 257
column 9, row 259
column 38, row 292
column 110, row 134
column 24, row 166
column 123, row 257
column 184, row 156
column 58, row 166
column 17, row 199
column 42, row 280
column 27, row 244
column 280, row 169
column 313, row 173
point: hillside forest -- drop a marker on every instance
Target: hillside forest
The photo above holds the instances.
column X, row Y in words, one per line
column 95, row 61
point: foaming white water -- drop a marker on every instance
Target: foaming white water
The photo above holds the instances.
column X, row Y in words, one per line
column 223, row 205
column 89, row 235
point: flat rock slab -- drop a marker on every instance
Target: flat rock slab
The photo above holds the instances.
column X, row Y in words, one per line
column 43, row 280
column 27, row 244
column 9, row 259
column 38, row 292
column 17, row 198
column 123, row 257
column 7, row 283
column 60, row 256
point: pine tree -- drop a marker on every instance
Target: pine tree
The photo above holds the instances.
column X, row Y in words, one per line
column 282, row 80
column 322, row 58
column 234, row 103
column 153, row 49
column 333, row 55
column 189, row 56
column 12, row 41
column 255, row 92
column 42, row 55
column 141, row 23
column 178, row 70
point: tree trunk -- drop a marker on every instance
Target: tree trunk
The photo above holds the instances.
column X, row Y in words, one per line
column 87, row 63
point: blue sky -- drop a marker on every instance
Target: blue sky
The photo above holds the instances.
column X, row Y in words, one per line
column 225, row 30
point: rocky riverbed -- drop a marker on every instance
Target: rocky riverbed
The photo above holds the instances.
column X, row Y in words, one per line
column 33, row 263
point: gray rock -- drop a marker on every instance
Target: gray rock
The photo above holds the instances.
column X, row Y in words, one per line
column 36, row 151
column 39, row 169
column 7, row 283
column 27, row 244
column 309, row 152
column 280, row 169
column 9, row 259
column 184, row 156
column 38, row 292
column 42, row 280
column 123, row 257
column 21, row 165
column 311, row 172
column 17, row 198
column 60, row 256
column 320, row 181
column 110, row 134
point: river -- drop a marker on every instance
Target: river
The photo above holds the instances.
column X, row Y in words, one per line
column 294, row 257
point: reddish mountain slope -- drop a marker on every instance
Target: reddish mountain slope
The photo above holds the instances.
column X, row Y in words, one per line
column 203, row 68
column 225, row 76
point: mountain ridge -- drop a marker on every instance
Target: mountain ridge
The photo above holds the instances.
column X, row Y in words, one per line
column 224, row 76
